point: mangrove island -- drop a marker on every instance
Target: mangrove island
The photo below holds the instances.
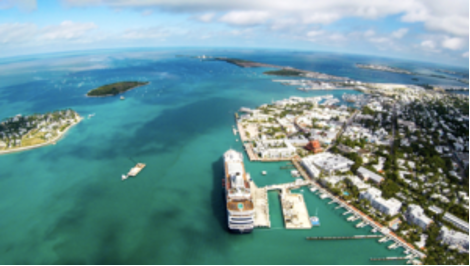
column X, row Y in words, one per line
column 115, row 88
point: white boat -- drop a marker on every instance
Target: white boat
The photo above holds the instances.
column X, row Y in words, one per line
column 124, row 177
column 240, row 206
column 313, row 189
column 91, row 115
column 122, row 98
column 264, row 172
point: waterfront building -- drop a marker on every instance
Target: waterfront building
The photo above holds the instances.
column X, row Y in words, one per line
column 329, row 162
column 366, row 174
column 274, row 149
column 240, row 207
column 415, row 215
column 374, row 196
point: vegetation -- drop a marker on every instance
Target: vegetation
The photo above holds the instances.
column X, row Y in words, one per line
column 284, row 72
column 115, row 88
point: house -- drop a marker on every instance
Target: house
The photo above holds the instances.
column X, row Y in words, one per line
column 366, row 174
column 314, row 146
column 415, row 215
column 454, row 238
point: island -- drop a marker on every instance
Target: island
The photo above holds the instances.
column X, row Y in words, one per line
column 385, row 68
column 245, row 63
column 282, row 71
column 20, row 133
column 115, row 88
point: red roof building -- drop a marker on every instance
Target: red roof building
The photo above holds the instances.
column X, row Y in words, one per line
column 314, row 146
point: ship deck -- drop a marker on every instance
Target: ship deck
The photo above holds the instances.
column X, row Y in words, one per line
column 240, row 205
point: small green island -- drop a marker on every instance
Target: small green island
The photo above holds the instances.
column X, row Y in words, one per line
column 285, row 72
column 115, row 88
column 20, row 133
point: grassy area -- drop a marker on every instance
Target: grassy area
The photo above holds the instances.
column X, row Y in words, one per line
column 284, row 72
column 115, row 88
column 34, row 138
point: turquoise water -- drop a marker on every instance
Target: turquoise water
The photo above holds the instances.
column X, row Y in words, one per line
column 66, row 203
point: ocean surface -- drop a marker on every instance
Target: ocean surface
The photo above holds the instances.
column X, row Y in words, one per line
column 66, row 203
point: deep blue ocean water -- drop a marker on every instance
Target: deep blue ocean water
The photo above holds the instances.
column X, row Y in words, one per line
column 66, row 203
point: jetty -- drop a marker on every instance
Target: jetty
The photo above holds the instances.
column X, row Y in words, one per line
column 343, row 237
column 294, row 210
column 391, row 258
column 134, row 171
column 261, row 203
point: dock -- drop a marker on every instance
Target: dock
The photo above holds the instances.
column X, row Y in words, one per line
column 261, row 203
column 294, row 210
column 343, row 237
column 390, row 258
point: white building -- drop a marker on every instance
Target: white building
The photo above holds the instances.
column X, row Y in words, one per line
column 366, row 174
column 457, row 222
column 415, row 215
column 275, row 148
column 454, row 238
column 329, row 162
column 374, row 196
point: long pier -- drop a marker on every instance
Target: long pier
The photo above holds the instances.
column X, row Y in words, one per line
column 389, row 258
column 342, row 237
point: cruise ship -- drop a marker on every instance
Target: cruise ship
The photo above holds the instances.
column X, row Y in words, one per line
column 240, row 207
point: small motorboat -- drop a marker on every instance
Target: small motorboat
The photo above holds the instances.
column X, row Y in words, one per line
column 264, row 172
column 124, row 177
column 122, row 98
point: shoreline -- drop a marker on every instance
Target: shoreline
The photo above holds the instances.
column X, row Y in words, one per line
column 52, row 141
column 109, row 95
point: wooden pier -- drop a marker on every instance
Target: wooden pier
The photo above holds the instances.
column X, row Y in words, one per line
column 389, row 258
column 343, row 237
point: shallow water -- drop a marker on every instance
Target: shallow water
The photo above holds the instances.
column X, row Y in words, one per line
column 66, row 204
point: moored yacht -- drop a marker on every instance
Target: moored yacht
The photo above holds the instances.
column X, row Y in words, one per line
column 240, row 207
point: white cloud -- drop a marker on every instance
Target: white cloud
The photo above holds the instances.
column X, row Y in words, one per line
column 25, row 5
column 245, row 18
column 379, row 40
column 428, row 44
column 146, row 33
column 453, row 43
column 398, row 34
column 17, row 32
column 206, row 17
column 465, row 55
column 315, row 33
column 66, row 30
column 369, row 33
column 450, row 16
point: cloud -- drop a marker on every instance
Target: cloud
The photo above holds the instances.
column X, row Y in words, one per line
column 245, row 18
column 453, row 43
column 450, row 16
column 465, row 55
column 207, row 17
column 428, row 44
column 145, row 33
column 12, row 34
column 315, row 33
column 24, row 5
column 398, row 34
column 17, row 32
column 66, row 30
